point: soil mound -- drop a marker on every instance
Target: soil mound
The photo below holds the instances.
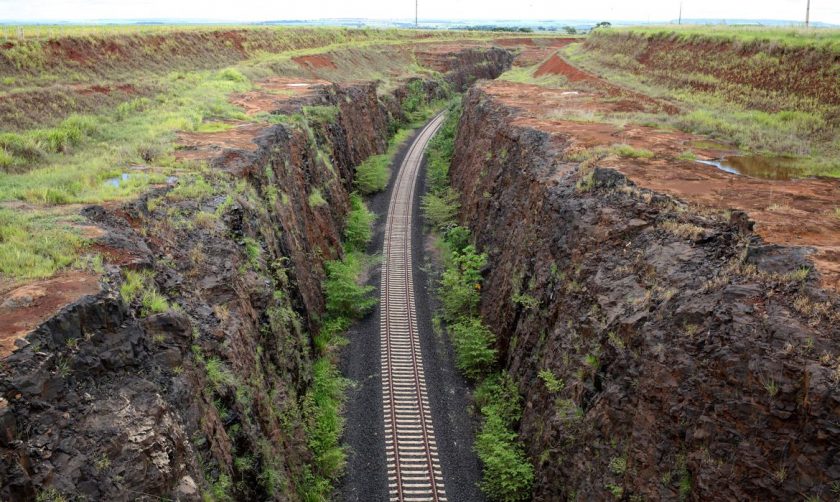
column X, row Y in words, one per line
column 555, row 65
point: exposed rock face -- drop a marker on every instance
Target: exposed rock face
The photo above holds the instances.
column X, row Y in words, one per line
column 697, row 366
column 108, row 402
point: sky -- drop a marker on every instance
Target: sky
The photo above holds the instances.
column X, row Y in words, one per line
column 261, row 10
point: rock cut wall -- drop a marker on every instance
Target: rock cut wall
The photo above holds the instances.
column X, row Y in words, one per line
column 695, row 363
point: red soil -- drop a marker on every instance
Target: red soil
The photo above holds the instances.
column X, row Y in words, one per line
column 25, row 307
column 795, row 212
column 555, row 65
column 315, row 62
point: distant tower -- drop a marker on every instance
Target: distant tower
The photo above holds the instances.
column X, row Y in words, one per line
column 679, row 21
column 417, row 7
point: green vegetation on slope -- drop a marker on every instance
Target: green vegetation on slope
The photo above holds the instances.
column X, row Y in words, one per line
column 346, row 301
column 734, row 98
column 507, row 474
column 822, row 38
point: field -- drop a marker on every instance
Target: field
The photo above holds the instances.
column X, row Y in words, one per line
column 732, row 85
column 92, row 115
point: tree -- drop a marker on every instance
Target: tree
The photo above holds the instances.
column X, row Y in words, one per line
column 571, row 30
column 603, row 24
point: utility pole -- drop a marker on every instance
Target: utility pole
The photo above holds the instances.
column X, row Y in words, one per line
column 679, row 21
column 808, row 14
column 417, row 7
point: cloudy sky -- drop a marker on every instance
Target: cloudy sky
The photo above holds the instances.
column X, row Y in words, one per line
column 257, row 10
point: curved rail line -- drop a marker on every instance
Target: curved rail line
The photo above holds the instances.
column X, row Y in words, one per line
column 414, row 471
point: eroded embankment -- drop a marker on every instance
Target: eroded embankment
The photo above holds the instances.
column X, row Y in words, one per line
column 212, row 396
column 689, row 358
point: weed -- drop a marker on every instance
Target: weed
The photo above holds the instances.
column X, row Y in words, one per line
column 153, row 302
column 133, row 285
column 771, row 387
column 50, row 495
column 218, row 374
column 630, row 152
column 358, row 230
column 618, row 465
column 473, row 341
column 683, row 230
column 103, row 463
column 508, row 475
column 460, row 284
column 687, row 156
column 321, row 114
column 344, row 296
column 440, row 209
column 191, row 188
column 526, row 301
column 35, row 245
column 616, row 491
column 316, row 198
column 552, row 383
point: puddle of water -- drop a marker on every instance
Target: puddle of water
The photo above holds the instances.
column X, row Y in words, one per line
column 116, row 182
column 758, row 166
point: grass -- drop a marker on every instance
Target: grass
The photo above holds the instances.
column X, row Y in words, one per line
column 792, row 37
column 374, row 173
column 36, row 245
column 779, row 120
column 525, row 75
column 316, row 198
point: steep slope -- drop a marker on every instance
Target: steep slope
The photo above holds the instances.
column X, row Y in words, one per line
column 690, row 359
column 190, row 372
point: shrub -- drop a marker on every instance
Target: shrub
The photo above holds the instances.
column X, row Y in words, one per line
column 441, row 148
column 474, row 347
column 508, row 475
column 324, row 423
column 358, row 231
column 344, row 296
column 373, row 174
column 232, row 75
column 441, row 208
column 461, row 283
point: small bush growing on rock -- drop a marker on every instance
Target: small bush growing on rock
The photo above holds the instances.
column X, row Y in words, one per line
column 373, row 174
column 345, row 296
column 473, row 341
column 316, row 198
column 508, row 475
column 440, row 209
column 461, row 284
column 358, row 231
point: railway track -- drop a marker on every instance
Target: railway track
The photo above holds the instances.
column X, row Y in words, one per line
column 414, row 471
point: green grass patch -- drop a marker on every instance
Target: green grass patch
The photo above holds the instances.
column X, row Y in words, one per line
column 374, row 173
column 525, row 75
column 36, row 245
column 630, row 152
column 823, row 38
column 209, row 127
column 316, row 198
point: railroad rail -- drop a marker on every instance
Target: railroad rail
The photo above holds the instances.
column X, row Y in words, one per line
column 414, row 471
